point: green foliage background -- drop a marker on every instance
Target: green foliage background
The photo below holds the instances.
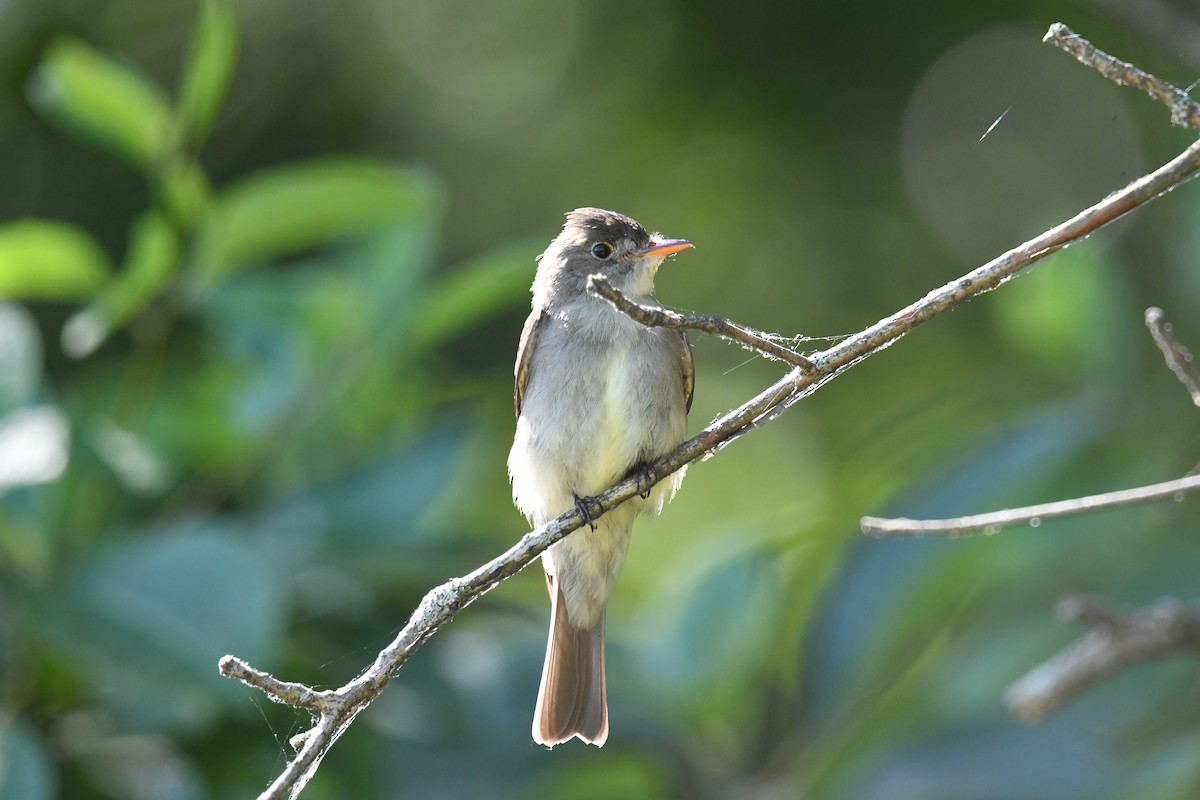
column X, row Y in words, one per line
column 265, row 268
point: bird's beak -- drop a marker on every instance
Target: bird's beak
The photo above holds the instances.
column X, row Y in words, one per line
column 664, row 247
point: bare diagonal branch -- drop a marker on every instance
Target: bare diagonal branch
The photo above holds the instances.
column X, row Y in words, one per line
column 339, row 707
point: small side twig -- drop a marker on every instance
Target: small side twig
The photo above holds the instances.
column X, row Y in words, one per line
column 899, row 527
column 1117, row 639
column 705, row 323
column 1178, row 357
column 288, row 693
column 1184, row 110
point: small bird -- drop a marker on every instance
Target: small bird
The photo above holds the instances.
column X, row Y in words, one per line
column 598, row 396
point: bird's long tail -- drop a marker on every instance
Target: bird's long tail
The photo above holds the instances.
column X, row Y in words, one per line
column 571, row 700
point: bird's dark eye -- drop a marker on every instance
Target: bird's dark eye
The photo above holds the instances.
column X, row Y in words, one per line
column 602, row 250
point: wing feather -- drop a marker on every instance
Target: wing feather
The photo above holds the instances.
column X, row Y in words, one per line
column 687, row 368
column 529, row 334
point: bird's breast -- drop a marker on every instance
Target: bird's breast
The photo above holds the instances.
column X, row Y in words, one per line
column 601, row 397
column 613, row 383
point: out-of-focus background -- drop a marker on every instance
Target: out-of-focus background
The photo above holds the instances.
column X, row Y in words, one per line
column 267, row 268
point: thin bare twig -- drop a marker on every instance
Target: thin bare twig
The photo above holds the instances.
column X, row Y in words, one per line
column 705, row 323
column 899, row 527
column 1117, row 639
column 340, row 706
column 1178, row 357
column 1184, row 110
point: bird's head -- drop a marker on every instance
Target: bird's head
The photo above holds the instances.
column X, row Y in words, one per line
column 598, row 242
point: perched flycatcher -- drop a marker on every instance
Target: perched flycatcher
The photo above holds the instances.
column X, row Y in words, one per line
column 597, row 396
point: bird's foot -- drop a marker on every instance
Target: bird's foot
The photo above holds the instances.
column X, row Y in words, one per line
column 644, row 480
column 581, row 505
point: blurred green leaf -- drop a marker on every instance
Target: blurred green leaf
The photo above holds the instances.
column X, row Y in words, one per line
column 700, row 673
column 26, row 772
column 20, row 357
column 288, row 210
column 1067, row 312
column 902, row 594
column 208, row 69
column 394, row 266
column 496, row 281
column 149, row 264
column 44, row 260
column 382, row 507
column 998, row 761
column 1171, row 771
column 625, row 774
column 326, row 339
column 151, row 615
column 102, row 100
column 186, row 192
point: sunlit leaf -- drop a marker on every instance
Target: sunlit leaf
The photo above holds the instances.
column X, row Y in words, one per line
column 288, row 210
column 43, row 260
column 102, row 100
column 209, row 68
column 150, row 263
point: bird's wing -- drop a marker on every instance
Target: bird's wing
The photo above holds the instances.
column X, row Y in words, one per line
column 529, row 334
column 687, row 368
